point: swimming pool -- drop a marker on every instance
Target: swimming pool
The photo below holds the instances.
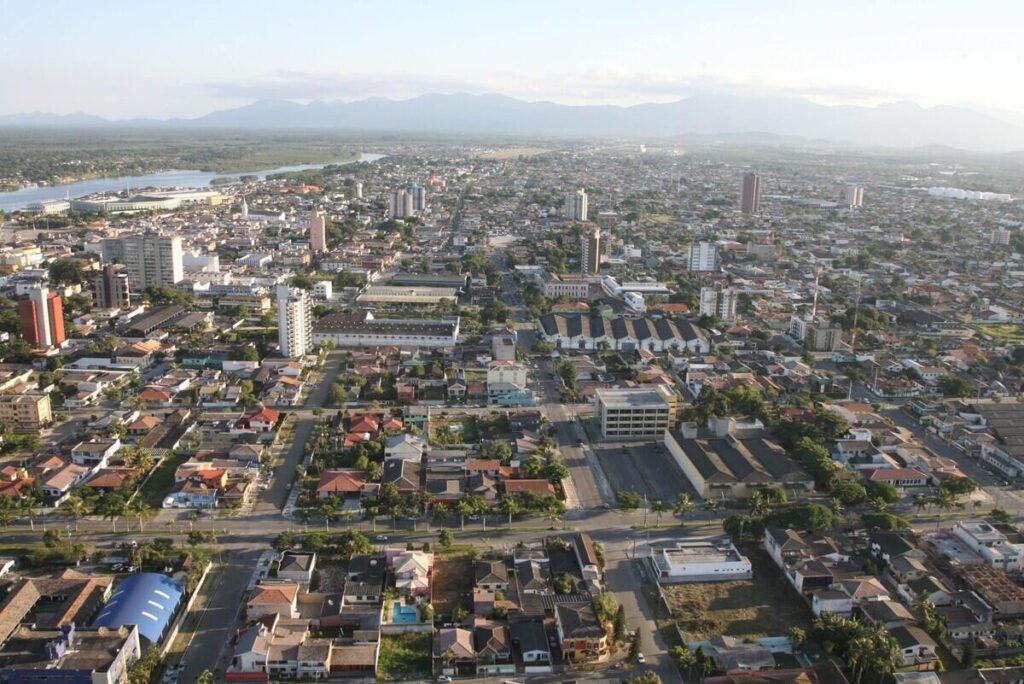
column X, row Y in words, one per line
column 404, row 614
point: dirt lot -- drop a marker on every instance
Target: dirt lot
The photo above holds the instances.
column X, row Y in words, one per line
column 763, row 606
column 452, row 584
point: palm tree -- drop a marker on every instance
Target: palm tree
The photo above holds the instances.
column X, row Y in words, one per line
column 510, row 507
column 141, row 509
column 139, row 458
column 26, row 506
column 920, row 502
column 371, row 514
column 327, row 510
column 73, row 507
column 658, row 507
column 711, row 505
column 464, row 507
column 113, row 507
column 683, row 506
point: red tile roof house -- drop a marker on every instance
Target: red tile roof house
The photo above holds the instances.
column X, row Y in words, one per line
column 262, row 420
column 899, row 477
column 536, row 487
column 342, row 483
column 277, row 597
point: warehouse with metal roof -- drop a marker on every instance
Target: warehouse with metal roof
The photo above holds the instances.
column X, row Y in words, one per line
column 147, row 599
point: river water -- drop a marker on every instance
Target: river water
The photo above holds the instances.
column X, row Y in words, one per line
column 20, row 199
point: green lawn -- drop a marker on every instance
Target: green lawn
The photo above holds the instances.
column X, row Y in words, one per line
column 160, row 481
column 1001, row 333
column 407, row 656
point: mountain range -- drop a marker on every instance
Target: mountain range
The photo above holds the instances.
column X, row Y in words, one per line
column 900, row 124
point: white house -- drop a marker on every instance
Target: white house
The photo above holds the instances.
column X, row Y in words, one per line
column 990, row 544
column 405, row 447
column 701, row 560
column 95, row 454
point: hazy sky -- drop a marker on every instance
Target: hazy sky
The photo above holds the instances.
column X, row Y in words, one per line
column 185, row 58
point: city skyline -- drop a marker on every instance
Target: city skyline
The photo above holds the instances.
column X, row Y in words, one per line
column 122, row 61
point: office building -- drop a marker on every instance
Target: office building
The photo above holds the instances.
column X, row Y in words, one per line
column 294, row 321
column 719, row 302
column 111, row 289
column 401, row 204
column 854, row 196
column 750, row 193
column 576, row 205
column 42, row 318
column 151, row 260
column 590, row 259
column 635, row 412
column 703, row 257
column 317, row 232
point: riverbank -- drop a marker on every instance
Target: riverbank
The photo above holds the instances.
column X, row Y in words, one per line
column 21, row 199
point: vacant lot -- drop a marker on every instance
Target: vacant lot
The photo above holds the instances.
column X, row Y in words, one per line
column 763, row 606
column 161, row 479
column 452, row 585
column 407, row 656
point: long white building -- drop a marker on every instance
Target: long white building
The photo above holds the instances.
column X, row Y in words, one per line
column 363, row 330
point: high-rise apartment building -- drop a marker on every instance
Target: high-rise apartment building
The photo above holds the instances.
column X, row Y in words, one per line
column 401, row 204
column 719, row 302
column 590, row 251
column 575, row 208
column 42, row 318
column 854, row 196
column 317, row 232
column 359, row 190
column 750, row 193
column 294, row 321
column 152, row 260
column 1001, row 237
column 111, row 289
column 703, row 257
column 419, row 196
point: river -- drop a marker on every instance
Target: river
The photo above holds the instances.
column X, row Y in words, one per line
column 21, row 199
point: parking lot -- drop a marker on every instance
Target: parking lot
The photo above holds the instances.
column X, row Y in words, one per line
column 644, row 468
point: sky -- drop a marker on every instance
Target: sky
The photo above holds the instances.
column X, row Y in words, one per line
column 124, row 59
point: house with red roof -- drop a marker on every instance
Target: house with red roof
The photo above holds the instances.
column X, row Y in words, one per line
column 344, row 483
column 536, row 487
column 262, row 419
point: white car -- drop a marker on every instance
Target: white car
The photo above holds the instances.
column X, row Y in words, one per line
column 640, row 658
column 381, row 538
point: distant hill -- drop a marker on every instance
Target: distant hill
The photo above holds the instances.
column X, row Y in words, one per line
column 900, row 124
